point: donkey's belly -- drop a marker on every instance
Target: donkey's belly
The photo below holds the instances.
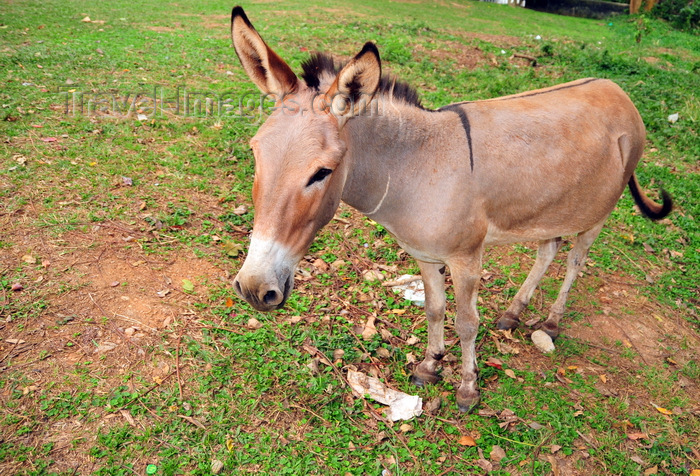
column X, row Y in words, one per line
column 495, row 236
column 427, row 255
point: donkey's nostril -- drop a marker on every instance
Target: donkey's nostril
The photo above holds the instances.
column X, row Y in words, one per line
column 237, row 288
column 271, row 297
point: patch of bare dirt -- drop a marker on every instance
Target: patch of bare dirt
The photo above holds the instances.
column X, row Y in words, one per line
column 502, row 41
column 104, row 277
column 107, row 304
column 466, row 57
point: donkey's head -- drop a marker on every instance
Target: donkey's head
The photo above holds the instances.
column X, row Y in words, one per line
column 299, row 167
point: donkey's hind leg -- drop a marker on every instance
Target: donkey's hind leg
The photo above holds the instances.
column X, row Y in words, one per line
column 434, row 280
column 575, row 262
column 545, row 254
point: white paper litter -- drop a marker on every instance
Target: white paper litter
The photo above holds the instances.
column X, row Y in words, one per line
column 402, row 406
column 413, row 289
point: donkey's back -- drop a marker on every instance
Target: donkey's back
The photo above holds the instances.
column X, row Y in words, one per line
column 550, row 162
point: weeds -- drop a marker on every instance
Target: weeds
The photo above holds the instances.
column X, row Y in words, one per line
column 188, row 382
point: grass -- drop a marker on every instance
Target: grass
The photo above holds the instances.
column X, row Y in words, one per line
column 97, row 198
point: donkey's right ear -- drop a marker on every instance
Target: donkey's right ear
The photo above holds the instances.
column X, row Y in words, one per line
column 265, row 68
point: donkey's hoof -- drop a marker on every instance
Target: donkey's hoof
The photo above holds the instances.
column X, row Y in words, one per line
column 507, row 321
column 424, row 379
column 469, row 403
column 551, row 330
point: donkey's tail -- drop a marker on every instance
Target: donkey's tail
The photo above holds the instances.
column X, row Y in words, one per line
column 649, row 208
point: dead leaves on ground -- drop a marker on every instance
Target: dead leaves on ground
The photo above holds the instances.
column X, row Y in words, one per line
column 466, row 440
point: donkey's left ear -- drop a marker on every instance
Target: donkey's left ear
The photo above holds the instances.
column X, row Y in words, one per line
column 265, row 68
column 356, row 84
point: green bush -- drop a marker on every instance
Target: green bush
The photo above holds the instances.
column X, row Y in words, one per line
column 683, row 14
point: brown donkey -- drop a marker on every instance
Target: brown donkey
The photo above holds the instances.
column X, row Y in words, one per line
column 533, row 166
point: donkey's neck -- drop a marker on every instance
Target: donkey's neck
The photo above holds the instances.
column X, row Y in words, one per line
column 388, row 152
column 382, row 149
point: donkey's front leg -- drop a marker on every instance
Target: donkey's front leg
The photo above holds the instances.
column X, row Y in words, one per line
column 466, row 276
column 434, row 279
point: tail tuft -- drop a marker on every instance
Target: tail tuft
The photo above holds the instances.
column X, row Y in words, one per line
column 649, row 208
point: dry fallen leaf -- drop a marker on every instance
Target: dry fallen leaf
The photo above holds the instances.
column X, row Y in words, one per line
column 535, row 426
column 637, row 436
column 386, row 335
column 662, row 410
column 15, row 341
column 497, row 453
column 240, row 210
column 532, row 321
column 29, row 389
column 369, row 331
column 127, row 416
column 194, row 421
column 623, row 425
column 253, row 323
column 652, row 470
column 432, row 405
column 494, row 362
column 383, row 353
column 483, row 463
column 405, row 428
column 372, row 275
column 466, row 440
column 313, row 366
column 509, row 373
column 412, row 340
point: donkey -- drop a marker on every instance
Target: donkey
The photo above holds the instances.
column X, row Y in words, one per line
column 534, row 166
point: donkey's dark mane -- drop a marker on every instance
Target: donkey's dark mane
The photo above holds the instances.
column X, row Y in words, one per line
column 320, row 63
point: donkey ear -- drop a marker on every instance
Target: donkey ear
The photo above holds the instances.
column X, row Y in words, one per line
column 356, row 83
column 265, row 68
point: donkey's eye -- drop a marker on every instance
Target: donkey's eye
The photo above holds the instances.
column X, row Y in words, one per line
column 319, row 176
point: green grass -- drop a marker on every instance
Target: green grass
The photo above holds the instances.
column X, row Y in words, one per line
column 246, row 397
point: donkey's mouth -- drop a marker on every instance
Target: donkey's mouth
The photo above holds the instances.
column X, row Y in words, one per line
column 288, row 286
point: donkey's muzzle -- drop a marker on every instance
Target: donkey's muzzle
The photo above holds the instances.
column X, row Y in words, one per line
column 264, row 297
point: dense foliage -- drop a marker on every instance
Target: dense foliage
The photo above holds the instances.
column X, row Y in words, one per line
column 682, row 14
